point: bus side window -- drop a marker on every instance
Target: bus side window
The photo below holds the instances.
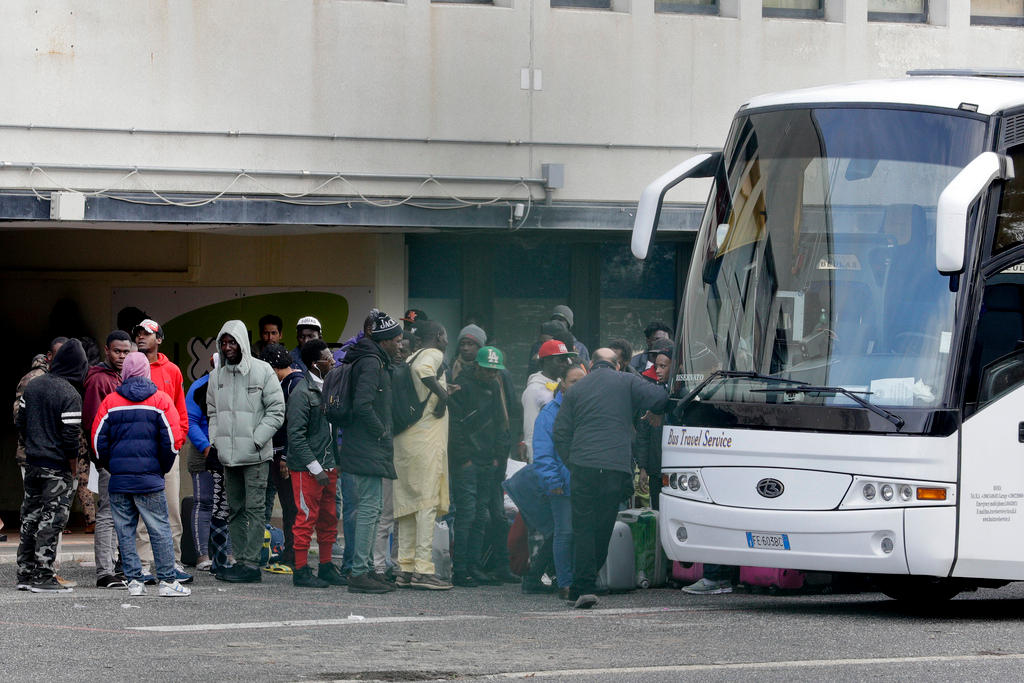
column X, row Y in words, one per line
column 1010, row 224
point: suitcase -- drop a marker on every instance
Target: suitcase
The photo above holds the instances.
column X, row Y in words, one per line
column 686, row 573
column 189, row 553
column 618, row 574
column 650, row 562
column 772, row 579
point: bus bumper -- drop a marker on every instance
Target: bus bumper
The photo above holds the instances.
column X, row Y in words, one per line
column 868, row 541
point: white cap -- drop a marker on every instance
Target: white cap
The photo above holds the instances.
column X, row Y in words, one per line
column 308, row 321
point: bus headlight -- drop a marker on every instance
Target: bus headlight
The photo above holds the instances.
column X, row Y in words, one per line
column 687, row 484
column 870, row 493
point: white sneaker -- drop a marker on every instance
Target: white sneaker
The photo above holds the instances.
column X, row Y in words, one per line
column 708, row 587
column 204, row 565
column 173, row 590
column 136, row 588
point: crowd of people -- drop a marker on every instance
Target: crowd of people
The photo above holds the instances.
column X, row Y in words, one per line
column 381, row 434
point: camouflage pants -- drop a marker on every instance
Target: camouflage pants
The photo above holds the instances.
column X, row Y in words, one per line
column 44, row 512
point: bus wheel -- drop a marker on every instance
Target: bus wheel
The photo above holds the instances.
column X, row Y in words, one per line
column 920, row 590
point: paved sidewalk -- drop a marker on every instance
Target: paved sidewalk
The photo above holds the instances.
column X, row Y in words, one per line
column 75, row 547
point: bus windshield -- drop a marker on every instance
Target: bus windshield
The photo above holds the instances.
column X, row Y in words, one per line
column 816, row 258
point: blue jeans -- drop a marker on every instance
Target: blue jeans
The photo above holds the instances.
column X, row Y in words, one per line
column 347, row 501
column 561, row 511
column 152, row 507
column 368, row 490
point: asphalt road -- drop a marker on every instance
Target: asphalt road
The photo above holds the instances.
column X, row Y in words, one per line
column 273, row 631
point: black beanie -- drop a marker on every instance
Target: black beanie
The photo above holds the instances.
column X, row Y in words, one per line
column 384, row 326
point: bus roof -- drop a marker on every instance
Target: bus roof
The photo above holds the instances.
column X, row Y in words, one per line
column 990, row 95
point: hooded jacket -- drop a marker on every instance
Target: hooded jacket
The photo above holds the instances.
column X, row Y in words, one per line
column 244, row 403
column 551, row 471
column 133, row 436
column 167, row 377
column 101, row 380
column 309, row 433
column 50, row 411
column 540, row 389
column 40, row 366
column 366, row 446
column 594, row 427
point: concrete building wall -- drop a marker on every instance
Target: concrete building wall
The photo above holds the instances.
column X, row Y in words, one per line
column 624, row 93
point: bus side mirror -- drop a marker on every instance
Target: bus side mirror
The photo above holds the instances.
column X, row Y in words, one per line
column 955, row 204
column 649, row 208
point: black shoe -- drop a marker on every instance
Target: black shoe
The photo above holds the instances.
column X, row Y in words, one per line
column 304, row 578
column 365, row 583
column 3, row 538
column 330, row 574
column 239, row 573
column 506, row 576
column 50, row 585
column 111, row 582
column 464, row 580
column 535, row 587
column 563, row 593
column 383, row 579
column 483, row 578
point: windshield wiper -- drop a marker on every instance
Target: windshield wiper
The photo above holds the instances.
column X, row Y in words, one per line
column 852, row 395
column 729, row 374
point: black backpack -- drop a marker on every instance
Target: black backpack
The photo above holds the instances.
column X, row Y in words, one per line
column 406, row 407
column 337, row 395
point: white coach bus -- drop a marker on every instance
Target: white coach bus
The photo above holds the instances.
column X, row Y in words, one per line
column 850, row 385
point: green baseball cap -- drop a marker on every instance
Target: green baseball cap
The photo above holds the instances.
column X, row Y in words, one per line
column 490, row 357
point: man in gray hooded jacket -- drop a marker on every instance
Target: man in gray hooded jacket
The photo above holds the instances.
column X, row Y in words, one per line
column 246, row 408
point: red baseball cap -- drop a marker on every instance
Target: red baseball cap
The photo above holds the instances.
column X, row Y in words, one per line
column 554, row 347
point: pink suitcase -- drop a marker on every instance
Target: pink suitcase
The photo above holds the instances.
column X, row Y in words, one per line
column 777, row 579
column 687, row 572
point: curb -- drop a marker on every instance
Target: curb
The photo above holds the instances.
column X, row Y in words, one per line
column 77, row 556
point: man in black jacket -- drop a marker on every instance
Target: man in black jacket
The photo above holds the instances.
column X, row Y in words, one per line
column 477, row 447
column 593, row 434
column 49, row 425
column 367, row 451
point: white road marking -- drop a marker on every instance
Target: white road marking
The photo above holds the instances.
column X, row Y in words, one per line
column 739, row 666
column 235, row 626
column 192, row 628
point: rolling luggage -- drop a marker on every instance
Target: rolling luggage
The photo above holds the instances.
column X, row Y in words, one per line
column 618, row 574
column 772, row 579
column 651, row 565
column 685, row 573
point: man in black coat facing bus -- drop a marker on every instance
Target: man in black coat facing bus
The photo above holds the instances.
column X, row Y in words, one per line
column 593, row 434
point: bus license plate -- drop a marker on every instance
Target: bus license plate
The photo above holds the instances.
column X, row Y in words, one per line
column 768, row 541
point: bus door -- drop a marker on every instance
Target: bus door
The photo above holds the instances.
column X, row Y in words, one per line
column 991, row 512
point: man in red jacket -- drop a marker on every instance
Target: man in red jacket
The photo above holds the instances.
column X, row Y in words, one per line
column 167, row 377
column 101, row 381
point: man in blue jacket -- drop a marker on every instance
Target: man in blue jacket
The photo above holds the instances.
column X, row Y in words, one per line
column 133, row 436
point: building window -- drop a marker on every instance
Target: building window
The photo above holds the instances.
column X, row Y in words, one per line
column 687, row 6
column 592, row 4
column 797, row 9
column 898, row 10
column 997, row 12
column 464, row 2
